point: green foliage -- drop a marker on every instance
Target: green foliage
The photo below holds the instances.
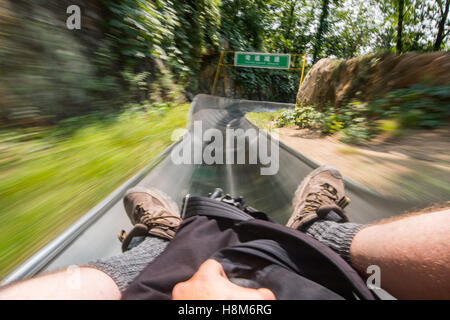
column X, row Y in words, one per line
column 331, row 124
column 136, row 82
column 388, row 125
column 417, row 106
column 353, row 113
column 353, row 30
column 263, row 84
column 178, row 33
column 349, row 120
column 195, row 34
column 286, row 22
column 140, row 39
column 286, row 118
column 420, row 19
column 49, row 73
column 355, row 134
column 307, row 117
column 244, row 23
column 53, row 176
column 322, row 29
column 304, row 117
column 140, row 29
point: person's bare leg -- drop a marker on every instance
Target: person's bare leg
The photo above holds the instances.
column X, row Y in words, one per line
column 412, row 251
column 106, row 278
column 413, row 254
column 74, row 284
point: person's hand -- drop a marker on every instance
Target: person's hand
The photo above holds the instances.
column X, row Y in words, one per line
column 211, row 283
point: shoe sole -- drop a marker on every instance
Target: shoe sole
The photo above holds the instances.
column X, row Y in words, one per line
column 160, row 195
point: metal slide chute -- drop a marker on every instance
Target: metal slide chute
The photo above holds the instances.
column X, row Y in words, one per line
column 95, row 234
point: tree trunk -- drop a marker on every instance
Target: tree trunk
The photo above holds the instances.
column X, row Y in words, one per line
column 401, row 4
column 441, row 28
column 287, row 36
column 321, row 30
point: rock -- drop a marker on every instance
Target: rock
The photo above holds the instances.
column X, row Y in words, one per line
column 334, row 82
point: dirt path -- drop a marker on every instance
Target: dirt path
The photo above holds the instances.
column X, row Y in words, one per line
column 413, row 166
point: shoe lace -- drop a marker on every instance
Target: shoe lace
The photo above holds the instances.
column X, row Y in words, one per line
column 158, row 217
column 315, row 200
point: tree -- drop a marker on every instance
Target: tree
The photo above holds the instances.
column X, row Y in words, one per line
column 353, row 30
column 287, row 18
column 289, row 26
column 196, row 32
column 244, row 23
column 322, row 29
column 401, row 4
column 443, row 23
column 406, row 22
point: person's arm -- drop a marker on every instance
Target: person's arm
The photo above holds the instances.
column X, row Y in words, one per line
column 78, row 283
column 413, row 254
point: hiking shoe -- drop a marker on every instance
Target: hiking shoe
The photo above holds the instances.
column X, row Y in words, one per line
column 152, row 213
column 320, row 195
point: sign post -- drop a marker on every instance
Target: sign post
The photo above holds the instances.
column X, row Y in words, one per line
column 216, row 77
column 301, row 79
column 258, row 60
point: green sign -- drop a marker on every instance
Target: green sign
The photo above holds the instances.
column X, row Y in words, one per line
column 262, row 60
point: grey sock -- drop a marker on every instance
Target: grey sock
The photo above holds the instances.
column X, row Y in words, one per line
column 124, row 268
column 338, row 236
